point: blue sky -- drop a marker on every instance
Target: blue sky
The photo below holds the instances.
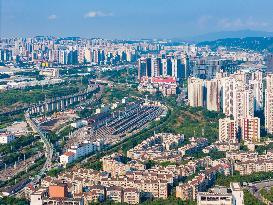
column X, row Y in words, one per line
column 132, row 19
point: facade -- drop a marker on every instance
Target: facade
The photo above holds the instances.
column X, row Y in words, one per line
column 54, row 194
column 164, row 66
column 131, row 196
column 80, row 150
column 237, row 194
column 142, row 68
column 201, row 182
column 196, row 92
column 156, row 67
column 67, row 157
column 250, row 129
column 257, row 87
column 167, row 86
column 212, row 88
column 269, row 63
column 227, row 130
column 114, row 193
column 268, row 111
column 238, row 98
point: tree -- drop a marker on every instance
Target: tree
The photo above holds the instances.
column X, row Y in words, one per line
column 249, row 199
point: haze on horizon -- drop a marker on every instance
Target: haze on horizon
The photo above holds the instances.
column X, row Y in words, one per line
column 132, row 19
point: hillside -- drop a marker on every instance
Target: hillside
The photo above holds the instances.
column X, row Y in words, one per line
column 249, row 43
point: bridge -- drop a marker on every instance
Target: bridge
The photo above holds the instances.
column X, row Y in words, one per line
column 55, row 104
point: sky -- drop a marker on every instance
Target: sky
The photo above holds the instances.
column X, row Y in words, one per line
column 132, row 19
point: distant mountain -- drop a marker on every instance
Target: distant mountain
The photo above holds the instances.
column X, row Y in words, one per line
column 228, row 34
column 252, row 43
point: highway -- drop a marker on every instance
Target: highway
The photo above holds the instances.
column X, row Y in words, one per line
column 48, row 146
column 18, row 188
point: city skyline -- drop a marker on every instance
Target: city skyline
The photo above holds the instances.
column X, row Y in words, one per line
column 124, row 19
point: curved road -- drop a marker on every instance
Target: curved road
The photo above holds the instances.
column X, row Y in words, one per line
column 48, row 145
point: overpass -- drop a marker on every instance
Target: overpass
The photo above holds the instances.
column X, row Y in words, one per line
column 55, row 104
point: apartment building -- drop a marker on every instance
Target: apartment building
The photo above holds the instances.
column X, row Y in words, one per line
column 115, row 194
column 227, row 130
column 80, row 150
column 131, row 196
column 254, row 166
column 113, row 164
column 268, row 111
column 212, row 88
column 196, row 92
column 189, row 190
column 250, row 129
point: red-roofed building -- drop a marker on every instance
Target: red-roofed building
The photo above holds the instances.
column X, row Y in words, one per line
column 167, row 86
column 67, row 157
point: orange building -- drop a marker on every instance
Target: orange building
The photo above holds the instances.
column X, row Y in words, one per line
column 58, row 191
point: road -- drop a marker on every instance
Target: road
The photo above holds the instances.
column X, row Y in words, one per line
column 18, row 188
column 48, row 146
column 256, row 187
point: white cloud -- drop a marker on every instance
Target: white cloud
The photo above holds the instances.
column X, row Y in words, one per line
column 52, row 17
column 239, row 23
column 93, row 14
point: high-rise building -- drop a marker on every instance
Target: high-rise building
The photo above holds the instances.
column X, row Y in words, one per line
column 250, row 129
column 268, row 111
column 196, row 92
column 237, row 98
column 63, row 58
column 212, row 88
column 186, row 66
column 164, row 67
column 227, row 130
column 142, row 68
column 177, row 68
column 269, row 63
column 156, row 67
column 257, row 88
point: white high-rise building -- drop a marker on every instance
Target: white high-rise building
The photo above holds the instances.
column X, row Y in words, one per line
column 164, row 67
column 88, row 55
column 195, row 92
column 257, row 87
column 268, row 111
column 156, row 67
column 227, row 130
column 212, row 94
column 228, row 94
column 175, row 67
column 238, row 99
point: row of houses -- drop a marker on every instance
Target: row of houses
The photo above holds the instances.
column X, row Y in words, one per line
column 251, row 162
column 165, row 147
column 201, row 182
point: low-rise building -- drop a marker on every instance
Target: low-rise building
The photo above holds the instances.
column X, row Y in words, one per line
column 131, row 196
column 222, row 195
column 6, row 138
column 80, row 150
column 114, row 193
